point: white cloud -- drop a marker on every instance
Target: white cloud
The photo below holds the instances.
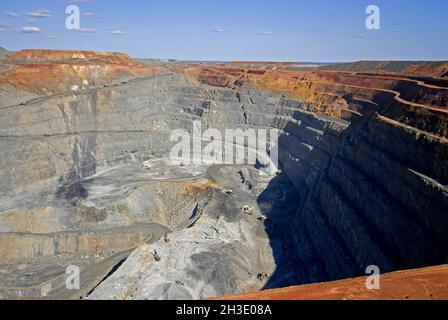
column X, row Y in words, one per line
column 117, row 32
column 94, row 15
column 11, row 14
column 3, row 24
column 361, row 35
column 30, row 30
column 86, row 30
column 313, row 31
column 39, row 14
column 266, row 33
column 218, row 30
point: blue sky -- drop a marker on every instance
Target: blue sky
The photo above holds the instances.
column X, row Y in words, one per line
column 277, row 30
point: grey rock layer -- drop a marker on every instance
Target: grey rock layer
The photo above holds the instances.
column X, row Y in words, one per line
column 349, row 196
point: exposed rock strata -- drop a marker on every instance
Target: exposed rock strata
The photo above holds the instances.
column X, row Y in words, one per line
column 364, row 160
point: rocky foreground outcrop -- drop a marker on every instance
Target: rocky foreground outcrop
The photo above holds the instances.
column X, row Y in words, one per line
column 87, row 177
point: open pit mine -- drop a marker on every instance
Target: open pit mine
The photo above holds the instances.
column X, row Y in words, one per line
column 87, row 183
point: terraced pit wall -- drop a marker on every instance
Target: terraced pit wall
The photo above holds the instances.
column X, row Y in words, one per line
column 370, row 192
column 372, row 189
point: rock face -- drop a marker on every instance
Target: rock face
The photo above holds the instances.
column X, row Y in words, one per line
column 3, row 52
column 369, row 184
column 47, row 72
column 87, row 177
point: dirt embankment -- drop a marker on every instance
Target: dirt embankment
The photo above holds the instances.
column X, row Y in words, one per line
column 419, row 284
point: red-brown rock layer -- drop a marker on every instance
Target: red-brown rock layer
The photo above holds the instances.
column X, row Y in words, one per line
column 347, row 95
column 53, row 71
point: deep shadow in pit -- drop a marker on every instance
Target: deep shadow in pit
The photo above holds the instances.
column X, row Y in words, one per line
column 297, row 252
column 84, row 165
column 279, row 201
column 319, row 247
column 317, row 231
column 301, row 255
column 297, row 261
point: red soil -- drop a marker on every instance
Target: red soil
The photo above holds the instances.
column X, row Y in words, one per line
column 419, row 284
